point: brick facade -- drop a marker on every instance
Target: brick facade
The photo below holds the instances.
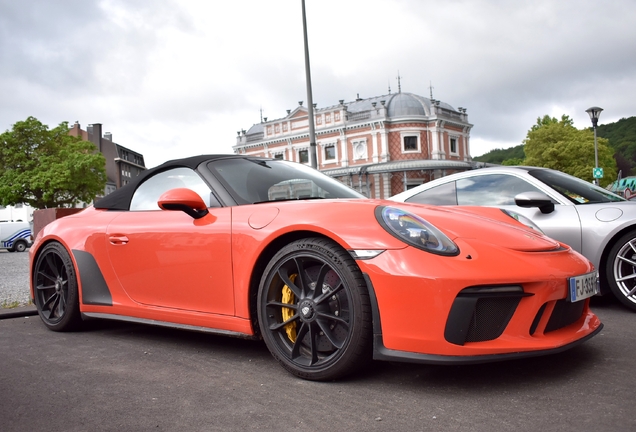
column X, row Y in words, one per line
column 378, row 146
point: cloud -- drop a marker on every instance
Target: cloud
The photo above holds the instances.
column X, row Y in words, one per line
column 171, row 79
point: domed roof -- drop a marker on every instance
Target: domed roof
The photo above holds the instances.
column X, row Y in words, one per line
column 406, row 104
column 409, row 104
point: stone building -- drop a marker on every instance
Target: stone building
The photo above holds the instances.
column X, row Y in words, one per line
column 379, row 146
column 122, row 164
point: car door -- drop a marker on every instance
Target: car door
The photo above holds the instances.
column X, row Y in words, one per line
column 168, row 259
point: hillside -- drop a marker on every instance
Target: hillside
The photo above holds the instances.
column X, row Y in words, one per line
column 497, row 156
column 621, row 136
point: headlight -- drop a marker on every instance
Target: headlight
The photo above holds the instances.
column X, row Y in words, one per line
column 415, row 231
column 524, row 220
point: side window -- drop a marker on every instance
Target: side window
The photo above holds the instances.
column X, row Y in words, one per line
column 148, row 193
column 491, row 190
column 440, row 195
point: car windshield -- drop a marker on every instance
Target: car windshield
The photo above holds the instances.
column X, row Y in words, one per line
column 573, row 188
column 252, row 181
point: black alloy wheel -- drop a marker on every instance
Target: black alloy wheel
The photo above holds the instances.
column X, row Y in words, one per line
column 314, row 311
column 55, row 282
column 621, row 270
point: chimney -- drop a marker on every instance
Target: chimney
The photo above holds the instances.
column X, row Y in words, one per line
column 95, row 135
column 108, row 136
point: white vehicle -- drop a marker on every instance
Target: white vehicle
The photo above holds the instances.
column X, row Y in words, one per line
column 595, row 222
column 15, row 236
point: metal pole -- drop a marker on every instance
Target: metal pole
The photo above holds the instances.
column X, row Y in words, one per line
column 595, row 154
column 310, row 101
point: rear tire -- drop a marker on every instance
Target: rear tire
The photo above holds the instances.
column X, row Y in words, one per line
column 56, row 291
column 621, row 269
column 314, row 311
column 20, row 246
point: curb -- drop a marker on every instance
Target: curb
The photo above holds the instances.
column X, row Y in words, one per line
column 18, row 312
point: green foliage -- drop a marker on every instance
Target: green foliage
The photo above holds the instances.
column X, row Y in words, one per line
column 48, row 168
column 498, row 156
column 557, row 144
column 622, row 138
column 546, row 120
column 513, row 162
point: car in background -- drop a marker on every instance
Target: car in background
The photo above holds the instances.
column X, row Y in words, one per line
column 593, row 221
column 625, row 187
column 15, row 236
column 266, row 248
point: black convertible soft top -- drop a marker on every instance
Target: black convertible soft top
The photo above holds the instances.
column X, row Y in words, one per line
column 120, row 199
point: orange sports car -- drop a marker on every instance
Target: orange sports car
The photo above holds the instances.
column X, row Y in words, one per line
column 270, row 249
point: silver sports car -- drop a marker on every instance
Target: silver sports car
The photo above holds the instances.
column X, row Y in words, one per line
column 599, row 224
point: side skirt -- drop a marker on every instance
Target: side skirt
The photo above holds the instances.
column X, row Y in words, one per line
column 135, row 320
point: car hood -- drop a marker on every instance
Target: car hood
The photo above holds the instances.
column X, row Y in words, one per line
column 485, row 224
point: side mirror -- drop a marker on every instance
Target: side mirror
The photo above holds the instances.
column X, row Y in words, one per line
column 535, row 199
column 183, row 199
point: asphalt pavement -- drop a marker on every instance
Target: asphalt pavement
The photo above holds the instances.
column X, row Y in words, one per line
column 14, row 278
column 123, row 376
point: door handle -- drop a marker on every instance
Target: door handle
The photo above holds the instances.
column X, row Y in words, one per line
column 118, row 239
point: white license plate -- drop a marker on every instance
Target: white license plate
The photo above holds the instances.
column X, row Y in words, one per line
column 582, row 287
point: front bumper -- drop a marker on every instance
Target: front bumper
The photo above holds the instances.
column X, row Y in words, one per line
column 426, row 307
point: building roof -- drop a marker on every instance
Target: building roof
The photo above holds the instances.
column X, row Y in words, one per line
column 400, row 165
column 398, row 105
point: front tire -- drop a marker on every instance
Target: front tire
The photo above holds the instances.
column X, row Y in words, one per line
column 621, row 270
column 56, row 293
column 314, row 311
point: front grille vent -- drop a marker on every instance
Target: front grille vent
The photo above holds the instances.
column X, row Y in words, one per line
column 481, row 314
column 491, row 318
column 564, row 314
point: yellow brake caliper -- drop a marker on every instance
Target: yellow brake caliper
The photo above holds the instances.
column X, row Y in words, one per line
column 287, row 313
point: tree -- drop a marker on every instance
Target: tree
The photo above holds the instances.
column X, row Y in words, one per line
column 48, row 168
column 557, row 144
column 622, row 138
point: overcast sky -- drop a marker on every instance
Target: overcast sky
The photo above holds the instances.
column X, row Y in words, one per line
column 171, row 79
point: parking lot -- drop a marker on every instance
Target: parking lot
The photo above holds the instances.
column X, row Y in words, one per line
column 14, row 278
column 133, row 377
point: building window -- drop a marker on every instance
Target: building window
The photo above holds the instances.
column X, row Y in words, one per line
column 278, row 156
column 453, row 145
column 410, row 143
column 330, row 152
column 303, row 156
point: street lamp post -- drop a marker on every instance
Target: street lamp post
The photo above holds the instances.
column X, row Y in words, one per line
column 594, row 113
column 313, row 156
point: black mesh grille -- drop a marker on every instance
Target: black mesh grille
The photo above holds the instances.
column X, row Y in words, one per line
column 564, row 314
column 491, row 318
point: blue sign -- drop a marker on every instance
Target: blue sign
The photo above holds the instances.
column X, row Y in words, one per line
column 597, row 172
